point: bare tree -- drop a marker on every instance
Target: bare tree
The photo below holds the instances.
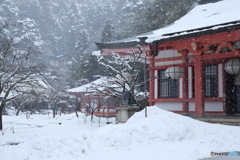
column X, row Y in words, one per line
column 74, row 102
column 39, row 91
column 31, row 94
column 23, row 100
column 128, row 73
column 53, row 97
column 92, row 107
column 16, row 69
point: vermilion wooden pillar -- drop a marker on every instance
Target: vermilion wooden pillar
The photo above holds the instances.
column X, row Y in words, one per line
column 151, row 82
column 185, row 89
column 198, row 85
column 185, row 81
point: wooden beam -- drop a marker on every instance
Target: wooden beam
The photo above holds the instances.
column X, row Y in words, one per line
column 125, row 51
column 200, row 44
column 215, row 55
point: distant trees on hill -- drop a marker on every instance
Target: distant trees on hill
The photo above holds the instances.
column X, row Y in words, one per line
column 156, row 15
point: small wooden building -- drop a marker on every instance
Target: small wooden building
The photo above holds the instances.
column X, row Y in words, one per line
column 93, row 98
column 194, row 63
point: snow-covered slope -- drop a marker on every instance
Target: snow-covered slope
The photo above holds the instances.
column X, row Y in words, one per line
column 162, row 135
column 69, row 27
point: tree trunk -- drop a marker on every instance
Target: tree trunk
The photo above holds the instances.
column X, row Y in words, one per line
column 18, row 111
column 3, row 104
column 1, row 122
column 54, row 112
column 92, row 118
column 76, row 112
column 19, row 107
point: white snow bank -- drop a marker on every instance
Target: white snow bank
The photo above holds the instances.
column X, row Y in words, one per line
column 162, row 135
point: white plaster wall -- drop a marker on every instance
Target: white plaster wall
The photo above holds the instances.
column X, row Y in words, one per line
column 170, row 106
column 168, row 63
column 190, row 82
column 105, row 110
column 112, row 110
column 220, row 80
column 168, row 54
column 191, row 106
column 101, row 110
column 214, row 106
column 209, row 106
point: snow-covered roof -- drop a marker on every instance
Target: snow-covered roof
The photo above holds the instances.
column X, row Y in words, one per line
column 204, row 15
column 97, row 85
column 201, row 16
column 38, row 85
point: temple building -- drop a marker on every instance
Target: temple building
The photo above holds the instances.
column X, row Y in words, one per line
column 194, row 63
column 93, row 98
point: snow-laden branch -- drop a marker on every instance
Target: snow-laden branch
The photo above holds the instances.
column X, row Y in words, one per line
column 126, row 73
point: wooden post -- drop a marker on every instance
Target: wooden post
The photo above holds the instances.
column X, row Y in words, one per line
column 151, row 81
column 145, row 85
column 198, row 85
column 185, row 81
column 185, row 89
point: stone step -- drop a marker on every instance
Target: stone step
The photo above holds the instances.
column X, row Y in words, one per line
column 227, row 121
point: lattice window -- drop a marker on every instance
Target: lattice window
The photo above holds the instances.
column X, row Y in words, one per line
column 238, row 98
column 168, row 88
column 211, row 81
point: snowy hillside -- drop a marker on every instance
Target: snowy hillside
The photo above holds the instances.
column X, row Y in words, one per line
column 163, row 135
column 70, row 27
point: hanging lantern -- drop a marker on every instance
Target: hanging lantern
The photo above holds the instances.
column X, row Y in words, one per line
column 174, row 72
column 232, row 66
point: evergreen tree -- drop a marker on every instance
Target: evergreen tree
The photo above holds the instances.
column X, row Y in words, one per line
column 85, row 70
column 127, row 18
column 108, row 33
column 160, row 14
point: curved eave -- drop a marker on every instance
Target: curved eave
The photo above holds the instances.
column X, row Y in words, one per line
column 123, row 48
column 226, row 27
column 117, row 45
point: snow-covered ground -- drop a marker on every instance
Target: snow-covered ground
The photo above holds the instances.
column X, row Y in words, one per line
column 161, row 136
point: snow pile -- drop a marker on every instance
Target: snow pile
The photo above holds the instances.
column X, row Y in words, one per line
column 162, row 135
